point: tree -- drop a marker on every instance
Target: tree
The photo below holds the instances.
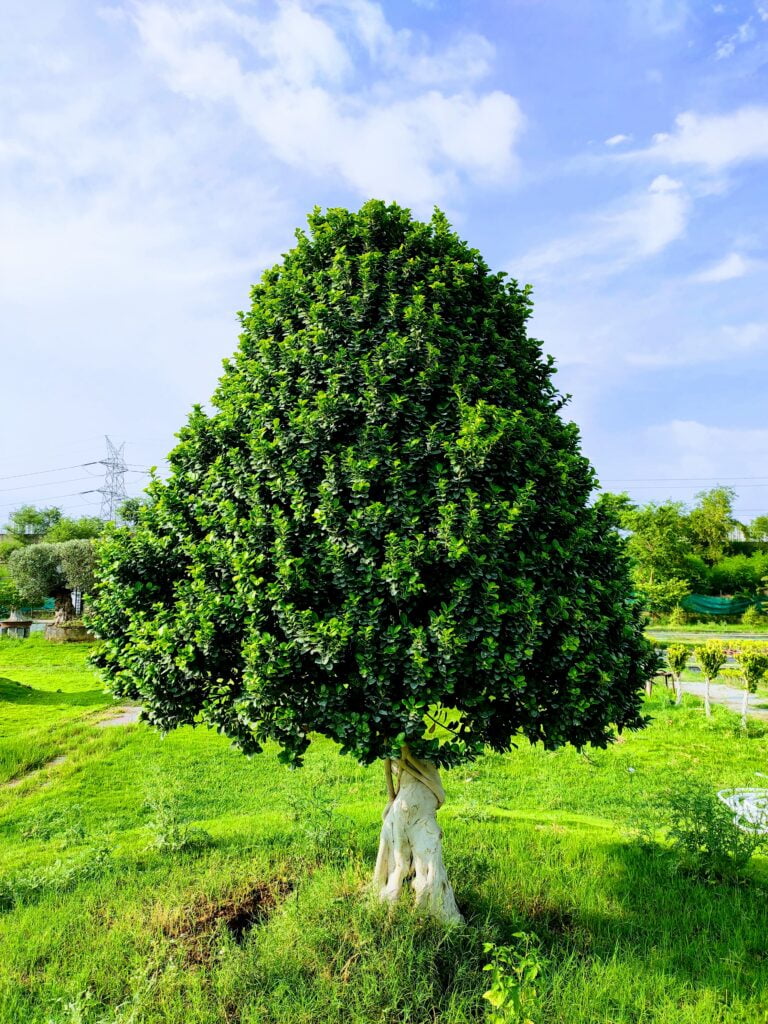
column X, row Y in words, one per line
column 711, row 521
column 752, row 659
column 677, row 659
column 659, row 539
column 711, row 657
column 45, row 570
column 29, row 524
column 660, row 548
column 663, row 595
column 7, row 547
column 10, row 599
column 758, row 528
column 84, row 528
column 382, row 533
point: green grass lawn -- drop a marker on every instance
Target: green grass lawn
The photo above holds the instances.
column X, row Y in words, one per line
column 265, row 917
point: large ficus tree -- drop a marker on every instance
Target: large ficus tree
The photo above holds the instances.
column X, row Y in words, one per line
column 382, row 533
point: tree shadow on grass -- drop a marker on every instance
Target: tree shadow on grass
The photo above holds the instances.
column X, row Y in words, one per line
column 13, row 692
column 694, row 931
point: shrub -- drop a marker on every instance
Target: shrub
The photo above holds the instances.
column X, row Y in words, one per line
column 702, row 830
column 170, row 832
column 711, row 657
column 752, row 617
column 677, row 617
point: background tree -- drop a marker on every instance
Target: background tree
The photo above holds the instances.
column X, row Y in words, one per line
column 660, row 550
column 29, row 524
column 711, row 657
column 752, row 659
column 42, row 570
column 7, row 547
column 84, row 528
column 382, row 534
column 711, row 521
column 677, row 659
column 758, row 528
column 663, row 595
column 10, row 599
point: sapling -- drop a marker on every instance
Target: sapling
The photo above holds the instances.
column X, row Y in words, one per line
column 677, row 659
column 752, row 659
column 711, row 657
column 382, row 532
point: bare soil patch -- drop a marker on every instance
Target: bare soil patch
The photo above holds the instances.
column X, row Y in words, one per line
column 196, row 928
column 13, row 783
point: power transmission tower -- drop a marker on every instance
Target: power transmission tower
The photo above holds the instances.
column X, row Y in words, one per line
column 113, row 492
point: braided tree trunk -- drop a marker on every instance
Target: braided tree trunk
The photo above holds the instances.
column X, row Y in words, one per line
column 411, row 846
column 64, row 610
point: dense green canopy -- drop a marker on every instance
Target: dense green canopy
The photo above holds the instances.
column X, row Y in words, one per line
column 383, row 518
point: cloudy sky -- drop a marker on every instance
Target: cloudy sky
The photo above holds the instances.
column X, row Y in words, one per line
column 156, row 156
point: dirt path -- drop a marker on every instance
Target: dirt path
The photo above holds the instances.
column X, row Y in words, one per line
column 730, row 697
column 124, row 716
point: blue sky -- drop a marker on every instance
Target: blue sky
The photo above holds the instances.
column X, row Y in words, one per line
column 156, row 156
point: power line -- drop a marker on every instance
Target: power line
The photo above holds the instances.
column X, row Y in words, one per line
column 41, row 472
column 690, row 479
column 51, row 483
column 685, row 487
column 56, row 497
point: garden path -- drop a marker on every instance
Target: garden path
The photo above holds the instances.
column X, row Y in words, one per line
column 731, row 697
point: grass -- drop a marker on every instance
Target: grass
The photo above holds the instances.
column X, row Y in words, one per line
column 147, row 879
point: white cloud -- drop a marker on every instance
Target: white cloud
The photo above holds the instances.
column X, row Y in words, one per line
column 641, row 226
column 707, row 346
column 714, row 141
column 295, row 87
column 727, row 47
column 688, row 448
column 729, row 267
column 762, row 10
column 661, row 16
column 617, row 140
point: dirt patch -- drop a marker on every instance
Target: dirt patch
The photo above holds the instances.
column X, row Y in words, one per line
column 195, row 928
column 13, row 783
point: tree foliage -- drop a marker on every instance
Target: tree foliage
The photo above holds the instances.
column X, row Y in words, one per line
column 711, row 521
column 711, row 657
column 45, row 570
column 752, row 659
column 659, row 539
column 28, row 524
column 677, row 658
column 758, row 528
column 384, row 522
column 84, row 528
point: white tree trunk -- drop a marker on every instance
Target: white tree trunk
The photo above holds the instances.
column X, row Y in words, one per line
column 707, row 705
column 411, row 841
column 744, row 709
column 678, row 690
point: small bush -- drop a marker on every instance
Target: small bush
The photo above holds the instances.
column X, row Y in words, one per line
column 57, row 877
column 677, row 617
column 701, row 829
column 513, row 970
column 752, row 617
column 65, row 826
column 325, row 835
column 170, row 833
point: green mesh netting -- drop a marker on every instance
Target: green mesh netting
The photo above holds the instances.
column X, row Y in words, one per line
column 701, row 604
